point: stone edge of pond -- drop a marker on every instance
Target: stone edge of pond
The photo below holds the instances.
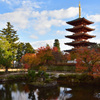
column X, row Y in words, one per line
column 3, row 78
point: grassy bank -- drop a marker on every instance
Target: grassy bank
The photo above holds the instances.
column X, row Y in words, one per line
column 77, row 79
column 58, row 68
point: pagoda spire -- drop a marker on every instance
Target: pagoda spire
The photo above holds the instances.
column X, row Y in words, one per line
column 79, row 10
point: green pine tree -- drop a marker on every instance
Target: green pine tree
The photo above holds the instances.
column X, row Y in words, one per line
column 57, row 44
column 5, row 53
column 29, row 48
column 20, row 52
column 11, row 36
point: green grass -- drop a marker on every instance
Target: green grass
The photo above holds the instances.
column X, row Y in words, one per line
column 62, row 68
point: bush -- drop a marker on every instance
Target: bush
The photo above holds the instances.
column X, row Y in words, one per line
column 78, row 78
column 42, row 73
column 31, row 75
column 48, row 80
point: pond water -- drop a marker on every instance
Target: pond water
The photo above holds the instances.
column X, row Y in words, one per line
column 22, row 91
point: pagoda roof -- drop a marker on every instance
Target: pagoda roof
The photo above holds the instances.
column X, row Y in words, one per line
column 85, row 35
column 79, row 20
column 80, row 43
column 73, row 49
column 75, row 29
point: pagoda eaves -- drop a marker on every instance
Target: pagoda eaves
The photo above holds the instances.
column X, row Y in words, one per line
column 80, row 43
column 80, row 28
column 79, row 21
column 83, row 35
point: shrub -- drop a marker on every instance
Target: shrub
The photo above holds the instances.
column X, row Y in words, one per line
column 31, row 75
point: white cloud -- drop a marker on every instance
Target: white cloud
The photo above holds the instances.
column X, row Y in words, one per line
column 59, row 14
column 64, row 13
column 28, row 3
column 95, row 18
column 33, row 36
column 47, row 19
column 26, row 16
column 7, row 1
column 39, row 44
column 18, row 18
column 95, row 40
column 60, row 32
column 43, row 25
column 63, row 32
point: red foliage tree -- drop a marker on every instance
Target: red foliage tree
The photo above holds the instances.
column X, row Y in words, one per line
column 88, row 60
column 44, row 54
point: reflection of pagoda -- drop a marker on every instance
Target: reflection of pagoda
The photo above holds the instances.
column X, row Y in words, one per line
column 80, row 30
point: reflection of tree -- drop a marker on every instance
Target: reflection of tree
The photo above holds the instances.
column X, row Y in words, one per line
column 7, row 89
column 5, row 92
column 31, row 94
column 44, row 93
column 84, row 92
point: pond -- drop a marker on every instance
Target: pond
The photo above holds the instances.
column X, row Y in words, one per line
column 22, row 91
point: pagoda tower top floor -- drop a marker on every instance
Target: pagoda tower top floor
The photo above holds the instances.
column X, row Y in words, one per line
column 80, row 21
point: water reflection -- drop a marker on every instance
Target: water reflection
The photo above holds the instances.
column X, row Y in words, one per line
column 64, row 93
column 44, row 93
column 19, row 95
column 36, row 94
column 97, row 95
column 22, row 91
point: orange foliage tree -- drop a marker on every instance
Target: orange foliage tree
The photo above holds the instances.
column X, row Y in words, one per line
column 30, row 60
column 44, row 54
column 88, row 60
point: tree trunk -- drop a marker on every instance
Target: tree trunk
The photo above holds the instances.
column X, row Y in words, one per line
column 6, row 69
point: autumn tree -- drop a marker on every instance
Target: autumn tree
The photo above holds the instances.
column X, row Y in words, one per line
column 73, row 55
column 45, row 55
column 88, row 60
column 58, row 56
column 96, row 47
column 30, row 60
column 22, row 49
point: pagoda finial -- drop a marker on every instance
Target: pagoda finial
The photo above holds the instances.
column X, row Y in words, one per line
column 79, row 10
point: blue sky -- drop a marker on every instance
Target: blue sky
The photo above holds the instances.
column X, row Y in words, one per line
column 40, row 22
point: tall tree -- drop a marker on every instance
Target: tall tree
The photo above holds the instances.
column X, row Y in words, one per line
column 57, row 44
column 29, row 48
column 11, row 36
column 5, row 54
column 58, row 56
column 20, row 52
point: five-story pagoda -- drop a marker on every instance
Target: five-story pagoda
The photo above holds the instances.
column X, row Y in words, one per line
column 80, row 30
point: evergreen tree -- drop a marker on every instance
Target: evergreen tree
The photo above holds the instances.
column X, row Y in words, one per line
column 29, row 48
column 5, row 53
column 23, row 48
column 20, row 52
column 57, row 44
column 11, row 36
